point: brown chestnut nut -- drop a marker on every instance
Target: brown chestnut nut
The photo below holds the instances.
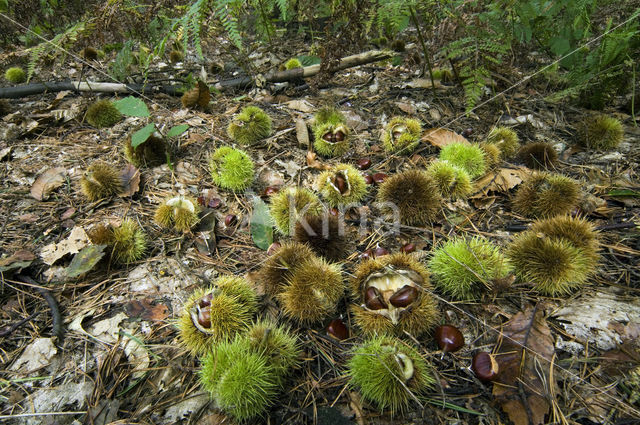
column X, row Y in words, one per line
column 380, row 251
column 214, row 202
column 379, row 177
column 230, row 220
column 328, row 137
column 334, row 212
column 205, row 301
column 485, row 366
column 449, row 338
column 366, row 255
column 408, row 248
column 404, row 296
column 341, row 184
column 270, row 190
column 338, row 329
column 204, row 318
column 273, row 248
column 363, row 163
column 373, row 300
column 368, row 179
column 339, row 136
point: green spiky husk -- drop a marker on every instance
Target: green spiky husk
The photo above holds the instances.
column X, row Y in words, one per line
column 578, row 231
column 239, row 380
column 469, row 157
column 303, row 201
column 326, row 238
column 506, row 139
column 251, row 125
column 375, row 371
column 280, row 266
column 546, row 195
column 601, row 132
column 417, row 320
column 229, row 316
column 151, row 152
column 415, row 195
column 327, row 149
column 465, row 268
column 492, row 154
column 358, row 186
column 103, row 113
column 129, row 242
column 538, row 155
column 452, row 181
column 236, row 286
column 292, row 64
column 177, row 215
column 101, row 181
column 407, row 140
column 313, row 291
column 231, row 168
column 277, row 344
column 329, row 115
column 15, row 75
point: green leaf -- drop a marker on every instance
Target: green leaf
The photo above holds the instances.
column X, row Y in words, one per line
column 141, row 136
column 177, row 130
column 85, row 260
column 132, row 106
column 261, row 224
column 309, row 60
column 4, row 5
column 625, row 193
column 559, row 45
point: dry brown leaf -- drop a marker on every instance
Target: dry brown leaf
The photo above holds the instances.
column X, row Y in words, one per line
column 77, row 240
column 130, row 177
column 521, row 369
column 407, row 108
column 441, row 137
column 313, row 162
column 500, row 180
column 144, row 309
column 300, row 105
column 302, row 132
column 48, row 181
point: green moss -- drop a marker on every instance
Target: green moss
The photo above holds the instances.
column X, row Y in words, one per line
column 103, row 113
column 601, row 132
column 401, row 135
column 15, row 75
column 345, row 177
column 290, row 204
column 506, row 139
column 452, row 181
column 231, row 168
column 469, row 157
column 465, row 268
column 251, row 125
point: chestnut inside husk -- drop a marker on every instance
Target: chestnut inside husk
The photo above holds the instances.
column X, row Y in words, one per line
column 390, row 292
column 336, row 135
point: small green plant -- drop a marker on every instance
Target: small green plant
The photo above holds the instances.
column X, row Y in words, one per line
column 465, row 268
column 101, row 181
column 546, row 195
column 15, row 75
column 231, row 168
column 452, row 181
column 290, row 204
column 251, row 125
column 178, row 212
column 331, row 133
column 413, row 195
column 401, row 135
column 342, row 185
column 389, row 373
column 469, row 157
column 601, row 132
column 103, row 113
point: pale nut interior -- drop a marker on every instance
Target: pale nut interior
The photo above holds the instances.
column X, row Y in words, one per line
column 179, row 202
column 406, row 365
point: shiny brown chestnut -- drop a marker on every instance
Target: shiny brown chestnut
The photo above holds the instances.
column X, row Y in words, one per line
column 339, row 136
column 373, row 299
column 368, row 179
column 363, row 163
column 328, row 137
column 341, row 184
column 485, row 366
column 368, row 254
column 270, row 190
column 449, row 338
column 204, row 318
column 214, row 203
column 338, row 329
column 404, row 296
column 273, row 248
column 408, row 248
column 379, row 177
column 230, row 220
column 205, row 301
column 380, row 251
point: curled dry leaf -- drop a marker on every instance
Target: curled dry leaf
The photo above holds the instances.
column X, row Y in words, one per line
column 77, row 240
column 500, row 180
column 46, row 182
column 313, row 162
column 144, row 309
column 441, row 137
column 302, row 132
column 525, row 357
column 130, row 177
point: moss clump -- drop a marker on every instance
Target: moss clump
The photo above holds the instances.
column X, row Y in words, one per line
column 401, row 135
column 150, row 153
column 331, row 133
column 389, row 373
column 601, row 132
column 231, row 168
column 342, row 185
column 15, row 75
column 413, row 195
column 101, row 181
column 464, row 268
column 292, row 63
column 538, row 155
column 178, row 212
column 103, row 113
column 469, row 157
column 251, row 125
column 557, row 255
column 290, row 204
column 505, row 139
column 452, row 181
column 546, row 195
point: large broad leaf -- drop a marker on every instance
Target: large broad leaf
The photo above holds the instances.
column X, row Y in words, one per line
column 141, row 136
column 132, row 106
column 177, row 130
column 261, row 224
column 309, row 60
column 85, row 260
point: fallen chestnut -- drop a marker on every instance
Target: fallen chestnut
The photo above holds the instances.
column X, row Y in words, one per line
column 404, row 296
column 341, row 184
column 373, row 299
column 449, row 338
column 380, row 251
column 408, row 248
column 368, row 179
column 230, row 220
column 338, row 329
column 270, row 190
column 205, row 301
column 273, row 248
column 379, row 177
column 485, row 366
column 204, row 318
column 363, row 163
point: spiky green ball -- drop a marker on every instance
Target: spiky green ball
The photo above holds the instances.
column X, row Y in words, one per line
column 129, row 242
column 465, row 268
column 290, row 204
column 411, row 196
column 151, row 152
column 292, row 64
column 401, row 135
column 389, row 373
column 15, row 75
column 352, row 179
column 236, row 286
column 178, row 212
column 506, row 139
column 331, row 133
column 469, row 157
column 556, row 255
column 538, row 155
column 546, row 195
column 240, row 380
column 601, row 132
column 101, row 181
column 251, row 125
column 103, row 113
column 231, row 168
column 277, row 344
column 452, row 181
column 492, row 153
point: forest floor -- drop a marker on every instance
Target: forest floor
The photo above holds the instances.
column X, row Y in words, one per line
column 119, row 360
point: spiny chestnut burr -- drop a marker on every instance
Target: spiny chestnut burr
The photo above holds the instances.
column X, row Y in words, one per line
column 338, row 329
column 273, row 248
column 449, row 338
column 363, row 164
column 342, row 185
column 485, row 366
